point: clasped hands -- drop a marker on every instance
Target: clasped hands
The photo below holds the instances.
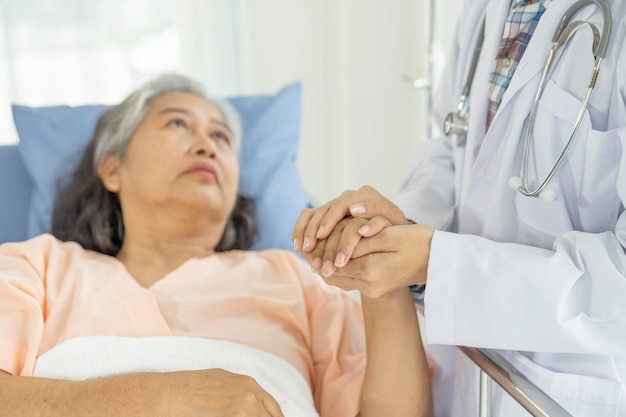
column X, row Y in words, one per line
column 362, row 241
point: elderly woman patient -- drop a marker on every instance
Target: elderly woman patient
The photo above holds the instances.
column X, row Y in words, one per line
column 145, row 302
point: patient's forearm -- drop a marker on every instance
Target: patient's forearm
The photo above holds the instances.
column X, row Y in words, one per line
column 397, row 379
column 186, row 393
column 127, row 395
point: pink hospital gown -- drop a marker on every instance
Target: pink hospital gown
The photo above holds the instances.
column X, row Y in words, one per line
column 52, row 291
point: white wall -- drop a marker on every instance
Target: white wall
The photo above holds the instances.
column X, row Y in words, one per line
column 361, row 119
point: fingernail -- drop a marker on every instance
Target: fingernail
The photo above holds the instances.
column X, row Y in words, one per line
column 319, row 232
column 363, row 230
column 316, row 265
column 296, row 245
column 357, row 209
column 340, row 260
column 327, row 269
column 306, row 244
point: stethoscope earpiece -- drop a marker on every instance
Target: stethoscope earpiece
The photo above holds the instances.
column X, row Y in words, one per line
column 547, row 195
column 515, row 183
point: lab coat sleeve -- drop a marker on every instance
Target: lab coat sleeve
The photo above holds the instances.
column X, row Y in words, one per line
column 569, row 299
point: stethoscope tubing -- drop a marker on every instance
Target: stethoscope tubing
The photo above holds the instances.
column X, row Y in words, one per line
column 607, row 24
column 559, row 38
column 524, row 188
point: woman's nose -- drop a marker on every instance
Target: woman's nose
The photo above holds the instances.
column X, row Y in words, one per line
column 204, row 145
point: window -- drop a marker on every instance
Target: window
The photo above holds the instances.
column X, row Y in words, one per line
column 76, row 52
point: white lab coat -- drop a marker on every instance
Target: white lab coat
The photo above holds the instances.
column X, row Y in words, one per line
column 520, row 274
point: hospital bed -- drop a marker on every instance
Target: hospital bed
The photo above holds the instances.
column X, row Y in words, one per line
column 16, row 188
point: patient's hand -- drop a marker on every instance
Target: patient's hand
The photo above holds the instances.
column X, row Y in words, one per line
column 393, row 258
column 318, row 223
column 218, row 392
column 337, row 249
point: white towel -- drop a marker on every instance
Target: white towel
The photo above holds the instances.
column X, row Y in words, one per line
column 99, row 356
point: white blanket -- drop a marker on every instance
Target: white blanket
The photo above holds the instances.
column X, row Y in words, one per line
column 98, row 356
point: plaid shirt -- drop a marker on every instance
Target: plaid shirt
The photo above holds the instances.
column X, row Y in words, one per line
column 519, row 27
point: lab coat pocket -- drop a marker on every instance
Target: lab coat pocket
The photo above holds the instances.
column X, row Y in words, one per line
column 586, row 195
column 580, row 395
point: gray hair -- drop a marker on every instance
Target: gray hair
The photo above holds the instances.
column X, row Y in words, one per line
column 87, row 213
column 126, row 116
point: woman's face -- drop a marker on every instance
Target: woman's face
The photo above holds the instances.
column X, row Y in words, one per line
column 180, row 156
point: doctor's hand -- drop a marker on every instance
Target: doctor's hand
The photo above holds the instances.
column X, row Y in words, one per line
column 393, row 258
column 318, row 223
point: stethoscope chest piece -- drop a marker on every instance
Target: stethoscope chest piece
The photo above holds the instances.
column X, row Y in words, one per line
column 455, row 125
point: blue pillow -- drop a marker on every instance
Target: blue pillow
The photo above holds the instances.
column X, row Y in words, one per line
column 53, row 138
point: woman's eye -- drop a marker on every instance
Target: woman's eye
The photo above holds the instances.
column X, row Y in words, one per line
column 221, row 136
column 178, row 123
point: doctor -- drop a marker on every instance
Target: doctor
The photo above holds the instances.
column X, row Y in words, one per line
column 542, row 279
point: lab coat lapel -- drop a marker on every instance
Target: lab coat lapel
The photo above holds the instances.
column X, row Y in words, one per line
column 496, row 12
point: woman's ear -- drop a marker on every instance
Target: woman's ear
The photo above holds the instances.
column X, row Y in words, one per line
column 109, row 173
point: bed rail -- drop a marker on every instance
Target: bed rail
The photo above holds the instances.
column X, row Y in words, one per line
column 494, row 367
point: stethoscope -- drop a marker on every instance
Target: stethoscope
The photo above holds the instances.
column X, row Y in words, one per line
column 455, row 124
